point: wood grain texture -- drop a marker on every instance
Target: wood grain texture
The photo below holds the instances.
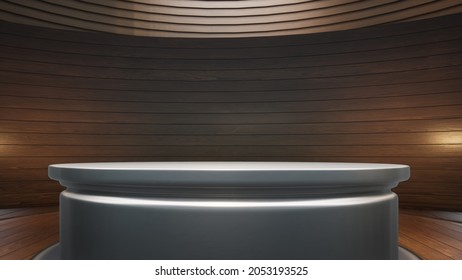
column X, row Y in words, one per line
column 432, row 235
column 388, row 93
column 26, row 231
column 251, row 18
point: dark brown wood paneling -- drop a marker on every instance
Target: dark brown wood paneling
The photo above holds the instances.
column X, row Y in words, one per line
column 388, row 94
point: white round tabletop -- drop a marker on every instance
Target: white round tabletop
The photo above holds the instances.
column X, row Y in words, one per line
column 251, row 174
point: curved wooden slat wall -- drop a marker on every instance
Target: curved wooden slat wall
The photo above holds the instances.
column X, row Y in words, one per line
column 195, row 18
column 383, row 94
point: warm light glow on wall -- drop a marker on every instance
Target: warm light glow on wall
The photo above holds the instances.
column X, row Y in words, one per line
column 447, row 138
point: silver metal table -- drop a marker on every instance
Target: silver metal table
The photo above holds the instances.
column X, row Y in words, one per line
column 228, row 210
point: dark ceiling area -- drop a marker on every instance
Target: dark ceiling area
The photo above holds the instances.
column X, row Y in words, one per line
column 249, row 18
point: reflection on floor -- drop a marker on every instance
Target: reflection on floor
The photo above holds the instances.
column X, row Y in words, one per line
column 430, row 234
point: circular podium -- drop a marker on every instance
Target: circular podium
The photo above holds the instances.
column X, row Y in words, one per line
column 228, row 210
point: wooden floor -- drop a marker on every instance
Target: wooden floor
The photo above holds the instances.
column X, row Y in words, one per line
column 434, row 235
column 26, row 231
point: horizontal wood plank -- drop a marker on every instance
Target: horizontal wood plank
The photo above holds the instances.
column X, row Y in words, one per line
column 418, row 138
